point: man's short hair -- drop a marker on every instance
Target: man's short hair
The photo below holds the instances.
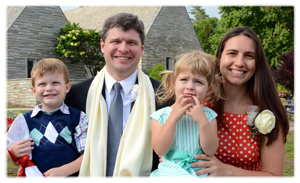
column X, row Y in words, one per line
column 125, row 22
column 49, row 65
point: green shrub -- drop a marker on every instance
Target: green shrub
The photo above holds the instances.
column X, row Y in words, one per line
column 155, row 72
column 281, row 88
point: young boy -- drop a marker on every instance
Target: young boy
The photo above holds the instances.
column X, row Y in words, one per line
column 58, row 132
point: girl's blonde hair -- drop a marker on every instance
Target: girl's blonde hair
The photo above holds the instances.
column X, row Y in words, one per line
column 49, row 65
column 196, row 62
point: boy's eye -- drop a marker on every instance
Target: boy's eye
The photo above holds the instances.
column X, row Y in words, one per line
column 199, row 82
column 41, row 84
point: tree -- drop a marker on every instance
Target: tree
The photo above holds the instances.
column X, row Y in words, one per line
column 284, row 74
column 204, row 30
column 198, row 13
column 274, row 25
column 78, row 44
column 155, row 72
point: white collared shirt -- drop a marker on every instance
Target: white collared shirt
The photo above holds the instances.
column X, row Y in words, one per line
column 127, row 85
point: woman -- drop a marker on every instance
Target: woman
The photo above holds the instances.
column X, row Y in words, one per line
column 247, row 80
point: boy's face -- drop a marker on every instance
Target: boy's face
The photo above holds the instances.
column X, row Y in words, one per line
column 50, row 90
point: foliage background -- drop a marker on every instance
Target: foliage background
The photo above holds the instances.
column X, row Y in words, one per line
column 80, row 45
column 284, row 74
column 274, row 25
column 155, row 72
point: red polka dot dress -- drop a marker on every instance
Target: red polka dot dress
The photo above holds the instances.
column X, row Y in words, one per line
column 236, row 145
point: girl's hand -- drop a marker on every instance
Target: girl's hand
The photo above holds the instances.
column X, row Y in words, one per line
column 180, row 106
column 213, row 166
column 160, row 159
column 196, row 111
column 22, row 147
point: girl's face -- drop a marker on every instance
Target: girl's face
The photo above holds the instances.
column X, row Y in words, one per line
column 188, row 84
column 237, row 62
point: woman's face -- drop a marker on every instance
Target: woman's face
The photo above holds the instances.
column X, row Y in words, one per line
column 237, row 62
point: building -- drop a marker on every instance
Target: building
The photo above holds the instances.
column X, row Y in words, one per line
column 31, row 36
column 169, row 30
column 32, row 32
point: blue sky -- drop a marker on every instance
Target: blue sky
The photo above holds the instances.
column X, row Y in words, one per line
column 211, row 11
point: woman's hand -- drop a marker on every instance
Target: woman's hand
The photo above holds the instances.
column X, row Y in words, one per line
column 214, row 167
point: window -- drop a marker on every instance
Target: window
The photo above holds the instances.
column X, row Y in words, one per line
column 29, row 65
column 168, row 63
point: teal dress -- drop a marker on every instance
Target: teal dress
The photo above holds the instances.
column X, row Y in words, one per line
column 177, row 162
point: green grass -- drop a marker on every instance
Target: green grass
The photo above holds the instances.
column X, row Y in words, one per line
column 285, row 101
column 289, row 155
column 9, row 107
column 11, row 168
column 22, row 111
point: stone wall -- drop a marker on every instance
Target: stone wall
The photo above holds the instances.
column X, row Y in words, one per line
column 19, row 94
column 33, row 36
column 171, row 33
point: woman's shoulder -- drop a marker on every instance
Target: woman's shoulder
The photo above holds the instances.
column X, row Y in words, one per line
column 207, row 104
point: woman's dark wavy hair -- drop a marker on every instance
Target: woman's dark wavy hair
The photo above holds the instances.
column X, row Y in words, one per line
column 261, row 86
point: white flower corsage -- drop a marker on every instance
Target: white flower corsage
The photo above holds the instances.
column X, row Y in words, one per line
column 135, row 91
column 262, row 123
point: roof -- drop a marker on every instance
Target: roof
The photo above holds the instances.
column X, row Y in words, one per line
column 93, row 17
column 13, row 13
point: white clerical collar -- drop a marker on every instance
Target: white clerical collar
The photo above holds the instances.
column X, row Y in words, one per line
column 126, row 83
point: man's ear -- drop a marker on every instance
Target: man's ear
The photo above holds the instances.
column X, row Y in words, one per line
column 143, row 49
column 68, row 87
column 102, row 45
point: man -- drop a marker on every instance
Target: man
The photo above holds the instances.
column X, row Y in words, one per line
column 123, row 45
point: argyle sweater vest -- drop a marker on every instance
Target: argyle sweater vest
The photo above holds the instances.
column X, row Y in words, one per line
column 53, row 137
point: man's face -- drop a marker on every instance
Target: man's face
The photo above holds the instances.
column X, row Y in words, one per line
column 122, row 52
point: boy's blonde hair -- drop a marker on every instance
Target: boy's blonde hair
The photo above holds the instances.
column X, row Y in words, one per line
column 49, row 65
column 196, row 62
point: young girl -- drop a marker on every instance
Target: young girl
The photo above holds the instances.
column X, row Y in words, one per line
column 186, row 128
